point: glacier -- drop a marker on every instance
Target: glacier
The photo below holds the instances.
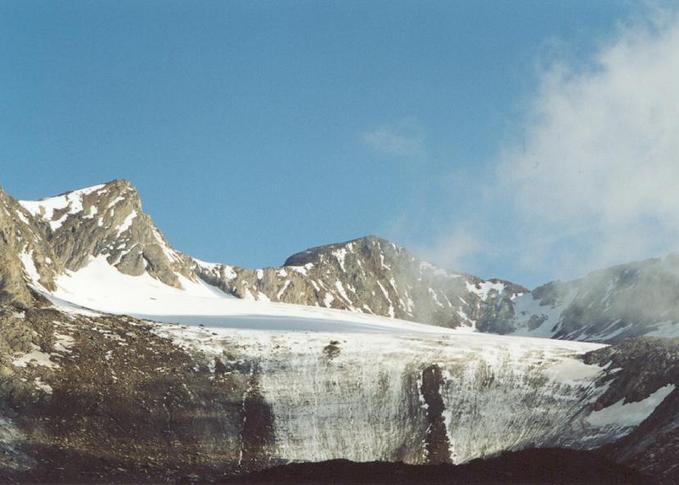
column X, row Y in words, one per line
column 446, row 398
column 319, row 384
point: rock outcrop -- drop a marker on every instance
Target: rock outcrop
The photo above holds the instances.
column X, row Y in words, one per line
column 641, row 371
column 374, row 276
column 24, row 253
column 107, row 221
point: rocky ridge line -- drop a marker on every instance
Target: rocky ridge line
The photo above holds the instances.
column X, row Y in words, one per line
column 374, row 276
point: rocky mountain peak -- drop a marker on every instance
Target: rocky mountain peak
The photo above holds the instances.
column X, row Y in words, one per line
column 610, row 305
column 107, row 221
column 370, row 275
column 367, row 246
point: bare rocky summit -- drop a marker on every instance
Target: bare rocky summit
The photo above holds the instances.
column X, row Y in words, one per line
column 371, row 275
column 107, row 220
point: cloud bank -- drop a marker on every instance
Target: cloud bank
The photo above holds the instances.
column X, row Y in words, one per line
column 592, row 178
column 595, row 178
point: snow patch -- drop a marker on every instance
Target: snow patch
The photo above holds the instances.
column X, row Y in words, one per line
column 625, row 415
column 35, row 357
column 70, row 202
column 29, row 267
column 127, row 223
column 340, row 255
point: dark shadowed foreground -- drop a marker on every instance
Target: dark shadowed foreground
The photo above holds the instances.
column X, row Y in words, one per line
column 536, row 466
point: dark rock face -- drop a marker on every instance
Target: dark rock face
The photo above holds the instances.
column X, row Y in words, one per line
column 437, row 443
column 105, row 399
column 372, row 275
column 636, row 369
column 536, row 466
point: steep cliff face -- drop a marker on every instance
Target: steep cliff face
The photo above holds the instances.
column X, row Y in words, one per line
column 373, row 276
column 107, row 221
column 629, row 300
column 24, row 253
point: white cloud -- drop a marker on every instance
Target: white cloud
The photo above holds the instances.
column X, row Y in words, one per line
column 595, row 177
column 405, row 139
column 591, row 180
column 453, row 249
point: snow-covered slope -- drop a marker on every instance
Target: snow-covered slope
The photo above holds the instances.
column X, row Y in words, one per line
column 629, row 300
column 101, row 287
column 410, row 397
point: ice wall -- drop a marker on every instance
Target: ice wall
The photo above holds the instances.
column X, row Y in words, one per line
column 424, row 399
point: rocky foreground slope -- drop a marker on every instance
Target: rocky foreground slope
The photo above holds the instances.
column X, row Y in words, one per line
column 527, row 467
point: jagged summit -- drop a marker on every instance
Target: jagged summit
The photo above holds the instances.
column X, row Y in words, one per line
column 370, row 275
column 107, row 221
column 43, row 240
column 369, row 243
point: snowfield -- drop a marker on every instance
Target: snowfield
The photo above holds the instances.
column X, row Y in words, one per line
column 101, row 287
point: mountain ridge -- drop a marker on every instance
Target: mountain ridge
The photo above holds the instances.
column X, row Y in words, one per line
column 369, row 274
column 140, row 349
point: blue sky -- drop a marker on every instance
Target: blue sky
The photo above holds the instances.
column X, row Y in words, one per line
column 256, row 129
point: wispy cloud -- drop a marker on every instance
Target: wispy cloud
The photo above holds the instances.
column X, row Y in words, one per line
column 404, row 139
column 592, row 178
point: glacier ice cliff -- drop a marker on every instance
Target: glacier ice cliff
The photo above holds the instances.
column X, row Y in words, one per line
column 426, row 399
